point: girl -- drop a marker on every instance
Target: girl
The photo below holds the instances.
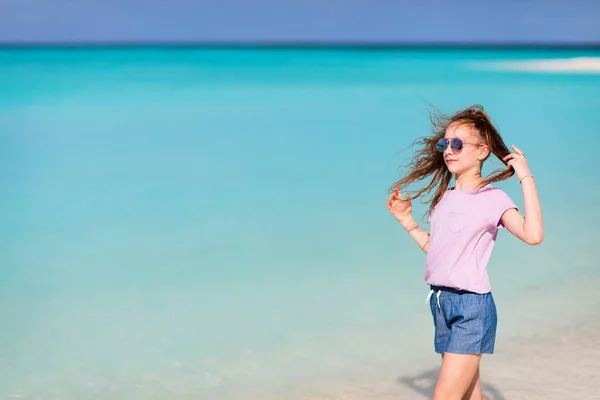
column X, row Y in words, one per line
column 464, row 222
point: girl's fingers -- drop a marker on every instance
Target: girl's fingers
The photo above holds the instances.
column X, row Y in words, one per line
column 391, row 200
column 395, row 196
column 395, row 200
column 517, row 150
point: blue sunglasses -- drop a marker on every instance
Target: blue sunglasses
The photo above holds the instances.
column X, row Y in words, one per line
column 456, row 145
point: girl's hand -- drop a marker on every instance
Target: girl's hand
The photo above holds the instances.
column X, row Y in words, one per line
column 518, row 162
column 400, row 208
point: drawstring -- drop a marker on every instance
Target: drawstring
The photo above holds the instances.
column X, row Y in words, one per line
column 437, row 295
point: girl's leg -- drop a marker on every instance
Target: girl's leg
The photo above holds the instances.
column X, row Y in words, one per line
column 474, row 392
column 457, row 375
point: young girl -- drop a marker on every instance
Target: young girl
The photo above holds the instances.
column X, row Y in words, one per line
column 464, row 222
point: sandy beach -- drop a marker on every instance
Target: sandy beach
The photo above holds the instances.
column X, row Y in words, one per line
column 565, row 365
column 590, row 65
column 547, row 359
column 558, row 366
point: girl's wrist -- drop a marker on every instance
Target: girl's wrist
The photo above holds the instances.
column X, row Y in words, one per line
column 521, row 178
column 409, row 226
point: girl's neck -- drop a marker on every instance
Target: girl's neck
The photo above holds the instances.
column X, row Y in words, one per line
column 468, row 180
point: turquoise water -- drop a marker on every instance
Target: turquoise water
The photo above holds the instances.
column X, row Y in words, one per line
column 211, row 223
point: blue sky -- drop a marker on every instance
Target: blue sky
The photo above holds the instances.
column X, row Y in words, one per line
column 540, row 21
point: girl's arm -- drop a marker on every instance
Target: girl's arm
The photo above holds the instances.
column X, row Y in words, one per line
column 401, row 209
column 530, row 227
column 419, row 235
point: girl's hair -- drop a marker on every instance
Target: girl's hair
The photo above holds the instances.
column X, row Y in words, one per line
column 429, row 161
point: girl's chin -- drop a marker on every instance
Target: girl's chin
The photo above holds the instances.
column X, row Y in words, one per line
column 452, row 167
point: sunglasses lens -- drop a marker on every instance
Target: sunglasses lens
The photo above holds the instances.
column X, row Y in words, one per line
column 456, row 145
column 442, row 144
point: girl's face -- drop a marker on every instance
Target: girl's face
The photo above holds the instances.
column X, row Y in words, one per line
column 462, row 148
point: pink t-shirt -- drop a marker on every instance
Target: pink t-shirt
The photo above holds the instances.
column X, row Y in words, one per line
column 463, row 229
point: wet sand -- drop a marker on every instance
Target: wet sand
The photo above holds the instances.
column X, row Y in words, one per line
column 558, row 366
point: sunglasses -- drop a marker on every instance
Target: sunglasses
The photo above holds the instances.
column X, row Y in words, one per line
column 456, row 145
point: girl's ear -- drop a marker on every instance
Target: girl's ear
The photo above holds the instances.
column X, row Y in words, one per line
column 484, row 152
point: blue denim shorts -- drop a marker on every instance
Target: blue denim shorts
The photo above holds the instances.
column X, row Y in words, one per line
column 465, row 322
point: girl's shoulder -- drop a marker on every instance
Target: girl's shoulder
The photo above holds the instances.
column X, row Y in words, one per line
column 496, row 201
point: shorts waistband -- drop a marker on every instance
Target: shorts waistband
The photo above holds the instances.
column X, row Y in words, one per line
column 450, row 289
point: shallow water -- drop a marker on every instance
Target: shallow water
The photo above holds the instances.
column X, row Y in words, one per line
column 212, row 223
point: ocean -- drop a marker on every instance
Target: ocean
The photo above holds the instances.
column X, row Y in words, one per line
column 211, row 223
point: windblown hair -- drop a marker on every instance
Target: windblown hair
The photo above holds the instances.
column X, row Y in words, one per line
column 428, row 161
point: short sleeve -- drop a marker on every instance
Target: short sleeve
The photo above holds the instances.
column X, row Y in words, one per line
column 501, row 203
